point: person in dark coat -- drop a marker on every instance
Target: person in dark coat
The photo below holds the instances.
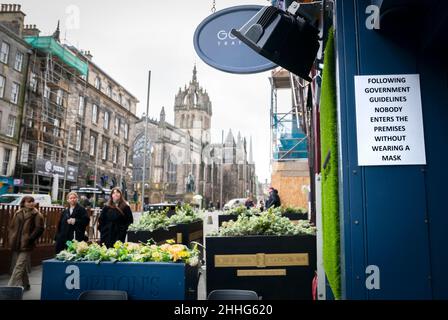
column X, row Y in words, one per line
column 73, row 223
column 115, row 219
column 249, row 203
column 25, row 227
column 274, row 199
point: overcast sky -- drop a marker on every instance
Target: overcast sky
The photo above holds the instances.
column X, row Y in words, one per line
column 128, row 38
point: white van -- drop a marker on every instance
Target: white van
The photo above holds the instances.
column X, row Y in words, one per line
column 44, row 200
column 235, row 203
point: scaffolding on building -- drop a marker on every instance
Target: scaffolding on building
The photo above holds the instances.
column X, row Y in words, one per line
column 288, row 140
column 48, row 120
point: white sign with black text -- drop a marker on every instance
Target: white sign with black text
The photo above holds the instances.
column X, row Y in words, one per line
column 389, row 120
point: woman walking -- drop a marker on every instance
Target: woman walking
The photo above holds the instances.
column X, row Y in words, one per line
column 26, row 226
column 73, row 223
column 115, row 219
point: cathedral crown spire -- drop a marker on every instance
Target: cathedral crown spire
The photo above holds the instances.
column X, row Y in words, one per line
column 195, row 72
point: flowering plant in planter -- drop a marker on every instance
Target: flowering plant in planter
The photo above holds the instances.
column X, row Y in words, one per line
column 129, row 252
column 186, row 214
column 266, row 223
column 151, row 221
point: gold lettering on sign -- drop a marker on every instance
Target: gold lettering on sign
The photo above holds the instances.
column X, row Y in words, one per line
column 197, row 235
column 261, row 260
column 261, row 273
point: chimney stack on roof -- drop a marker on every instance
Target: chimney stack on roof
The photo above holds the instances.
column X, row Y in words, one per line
column 31, row 30
column 13, row 18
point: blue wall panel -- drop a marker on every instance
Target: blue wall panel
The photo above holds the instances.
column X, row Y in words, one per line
column 385, row 209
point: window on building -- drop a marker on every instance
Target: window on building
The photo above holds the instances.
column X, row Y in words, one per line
column 125, row 158
column 78, row 139
column 57, row 123
column 105, row 150
column 172, row 171
column 98, row 83
column 53, row 156
column 4, row 53
column 24, row 154
column 106, row 120
column 33, row 82
column 115, row 154
column 11, row 126
column 81, row 105
column 120, row 99
column 19, row 61
column 15, row 90
column 117, row 126
column 126, row 131
column 94, row 114
column 92, row 145
column 1, row 117
column 30, row 118
column 109, row 91
column 47, row 92
column 59, row 97
column 2, row 86
column 6, row 159
column 128, row 106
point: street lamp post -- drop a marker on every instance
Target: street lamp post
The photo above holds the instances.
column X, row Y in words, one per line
column 146, row 140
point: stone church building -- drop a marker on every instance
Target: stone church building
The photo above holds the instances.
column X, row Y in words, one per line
column 182, row 161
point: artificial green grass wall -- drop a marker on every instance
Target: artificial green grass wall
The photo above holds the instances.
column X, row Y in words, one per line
column 330, row 198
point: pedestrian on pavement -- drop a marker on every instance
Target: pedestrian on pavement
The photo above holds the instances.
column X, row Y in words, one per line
column 274, row 199
column 25, row 227
column 115, row 219
column 73, row 223
column 249, row 203
column 261, row 205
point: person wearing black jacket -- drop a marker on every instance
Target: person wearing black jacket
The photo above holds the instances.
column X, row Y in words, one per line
column 274, row 199
column 73, row 223
column 115, row 219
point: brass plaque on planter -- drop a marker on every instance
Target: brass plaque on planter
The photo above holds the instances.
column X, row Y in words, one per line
column 179, row 237
column 261, row 260
column 196, row 235
column 261, row 273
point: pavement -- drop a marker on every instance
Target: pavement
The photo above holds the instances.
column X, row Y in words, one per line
column 36, row 273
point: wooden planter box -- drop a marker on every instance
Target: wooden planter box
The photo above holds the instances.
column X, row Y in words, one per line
column 142, row 281
column 159, row 235
column 296, row 216
column 226, row 217
column 276, row 267
column 187, row 232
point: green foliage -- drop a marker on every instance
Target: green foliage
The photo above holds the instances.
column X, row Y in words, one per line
column 186, row 214
column 290, row 210
column 235, row 211
column 266, row 223
column 330, row 204
column 129, row 252
column 150, row 221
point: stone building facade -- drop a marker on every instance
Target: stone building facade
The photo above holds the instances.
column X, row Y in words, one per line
column 181, row 161
column 76, row 126
column 102, row 132
column 13, row 72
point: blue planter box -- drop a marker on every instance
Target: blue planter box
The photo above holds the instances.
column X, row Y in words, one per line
column 142, row 281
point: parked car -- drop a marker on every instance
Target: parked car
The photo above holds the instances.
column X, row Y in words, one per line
column 160, row 207
column 44, row 200
column 235, row 203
